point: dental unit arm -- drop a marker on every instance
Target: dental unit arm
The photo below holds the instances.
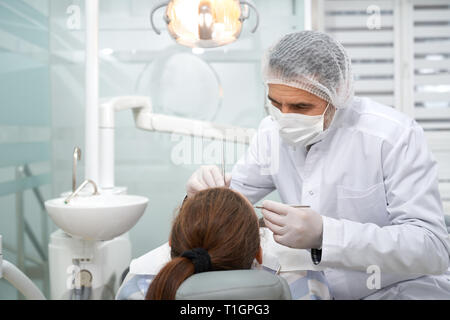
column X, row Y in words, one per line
column 18, row 279
column 145, row 119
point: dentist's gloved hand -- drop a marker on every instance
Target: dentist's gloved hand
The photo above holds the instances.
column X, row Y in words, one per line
column 299, row 228
column 206, row 177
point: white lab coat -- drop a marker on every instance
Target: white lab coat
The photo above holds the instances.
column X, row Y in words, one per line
column 374, row 181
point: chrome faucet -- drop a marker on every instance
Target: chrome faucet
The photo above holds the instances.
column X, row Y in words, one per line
column 85, row 182
column 76, row 157
column 75, row 190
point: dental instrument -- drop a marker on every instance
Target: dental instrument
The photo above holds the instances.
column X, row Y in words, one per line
column 223, row 163
column 293, row 206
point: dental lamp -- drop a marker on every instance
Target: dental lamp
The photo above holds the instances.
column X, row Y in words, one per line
column 205, row 23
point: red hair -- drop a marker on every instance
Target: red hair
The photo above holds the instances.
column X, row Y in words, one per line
column 219, row 220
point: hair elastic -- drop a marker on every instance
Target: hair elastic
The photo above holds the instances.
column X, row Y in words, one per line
column 200, row 258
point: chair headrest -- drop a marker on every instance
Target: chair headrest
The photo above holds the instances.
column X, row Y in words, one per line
column 234, row 285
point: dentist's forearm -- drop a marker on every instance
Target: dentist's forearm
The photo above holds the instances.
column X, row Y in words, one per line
column 400, row 249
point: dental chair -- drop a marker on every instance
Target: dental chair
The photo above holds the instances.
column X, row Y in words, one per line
column 234, row 285
column 447, row 222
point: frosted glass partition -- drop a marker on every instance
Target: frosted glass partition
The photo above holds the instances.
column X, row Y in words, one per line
column 25, row 138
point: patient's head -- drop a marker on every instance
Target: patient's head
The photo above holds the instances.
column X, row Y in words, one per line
column 217, row 220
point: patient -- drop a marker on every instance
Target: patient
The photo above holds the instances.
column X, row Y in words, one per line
column 216, row 229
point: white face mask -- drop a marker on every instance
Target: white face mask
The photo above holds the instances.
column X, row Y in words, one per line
column 298, row 129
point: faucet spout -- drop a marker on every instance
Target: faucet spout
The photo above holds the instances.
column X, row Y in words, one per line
column 76, row 157
column 81, row 188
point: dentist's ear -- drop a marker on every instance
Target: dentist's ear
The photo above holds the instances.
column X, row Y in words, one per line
column 170, row 243
column 259, row 256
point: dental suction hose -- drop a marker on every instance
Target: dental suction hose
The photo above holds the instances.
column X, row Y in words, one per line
column 19, row 280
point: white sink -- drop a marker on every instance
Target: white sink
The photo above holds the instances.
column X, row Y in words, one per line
column 97, row 217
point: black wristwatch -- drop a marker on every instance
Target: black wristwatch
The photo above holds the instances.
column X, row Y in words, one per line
column 316, row 255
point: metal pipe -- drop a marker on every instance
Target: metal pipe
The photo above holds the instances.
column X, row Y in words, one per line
column 91, row 74
column 76, row 157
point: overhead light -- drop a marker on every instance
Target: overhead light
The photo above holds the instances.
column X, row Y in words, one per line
column 204, row 23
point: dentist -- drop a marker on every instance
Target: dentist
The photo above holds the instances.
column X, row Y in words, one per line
column 363, row 168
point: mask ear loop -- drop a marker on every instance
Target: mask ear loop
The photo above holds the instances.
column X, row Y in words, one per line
column 328, row 104
column 325, row 120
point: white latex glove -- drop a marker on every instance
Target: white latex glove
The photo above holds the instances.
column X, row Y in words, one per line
column 206, row 177
column 299, row 228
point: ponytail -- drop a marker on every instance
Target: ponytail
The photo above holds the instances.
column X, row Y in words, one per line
column 166, row 283
column 169, row 279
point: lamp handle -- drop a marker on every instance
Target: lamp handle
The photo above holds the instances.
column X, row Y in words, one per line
column 251, row 5
column 156, row 7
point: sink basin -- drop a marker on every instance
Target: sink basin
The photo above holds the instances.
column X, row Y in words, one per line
column 97, row 217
